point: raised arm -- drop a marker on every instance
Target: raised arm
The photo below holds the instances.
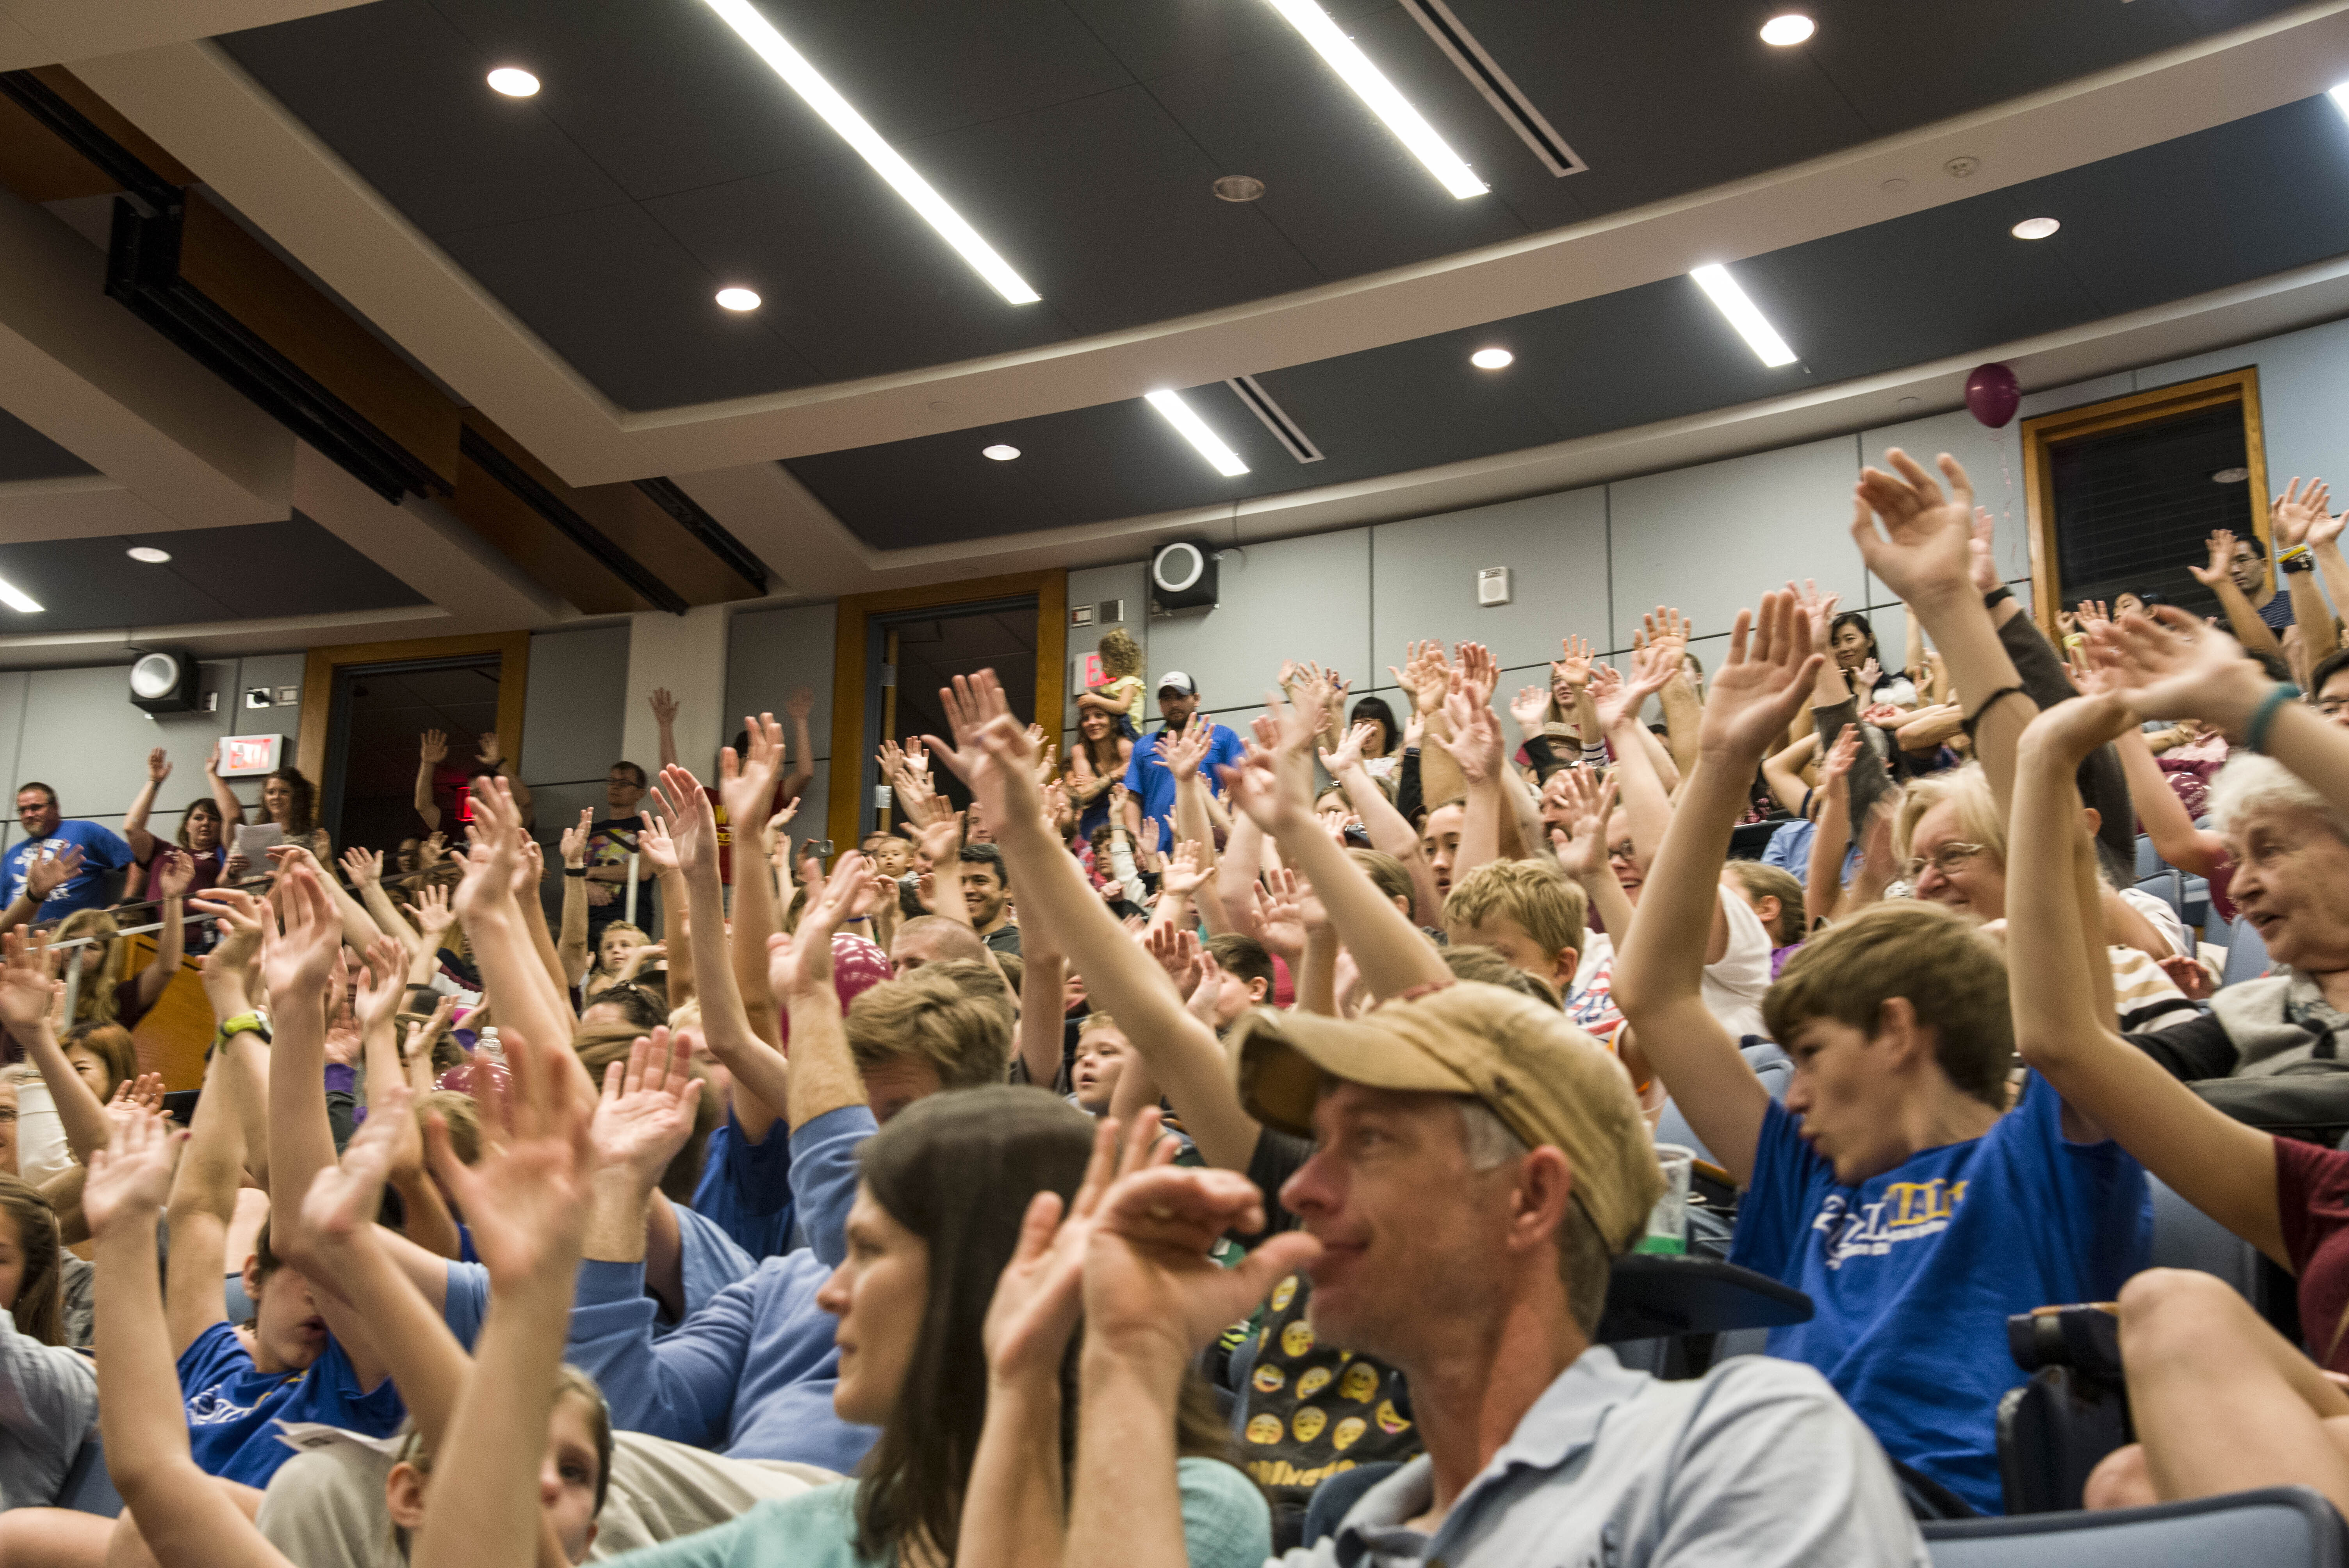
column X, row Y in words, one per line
column 1120, row 976
column 363, row 869
column 2249, row 629
column 1831, row 840
column 134, row 821
column 2162, row 814
column 1647, row 805
column 1387, row 829
column 571, row 947
column 2064, row 1026
column 531, row 1197
column 184, row 1517
column 1474, row 743
column 747, row 786
column 491, row 752
column 231, row 809
column 432, row 750
column 797, row 707
column 1584, row 805
column 1760, row 688
column 173, row 870
column 517, row 983
column 665, row 710
column 28, row 993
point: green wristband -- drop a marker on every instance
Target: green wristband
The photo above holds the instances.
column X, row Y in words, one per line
column 2255, row 734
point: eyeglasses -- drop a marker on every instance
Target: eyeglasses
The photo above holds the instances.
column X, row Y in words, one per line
column 1622, row 852
column 1945, row 860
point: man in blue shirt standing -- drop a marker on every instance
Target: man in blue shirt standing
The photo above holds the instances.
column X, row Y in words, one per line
column 49, row 837
column 1149, row 786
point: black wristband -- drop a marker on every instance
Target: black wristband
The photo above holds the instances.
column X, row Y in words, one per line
column 1997, row 596
column 2000, row 695
column 575, row 871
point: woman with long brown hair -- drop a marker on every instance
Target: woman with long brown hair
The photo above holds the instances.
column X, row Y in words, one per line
column 49, row 1394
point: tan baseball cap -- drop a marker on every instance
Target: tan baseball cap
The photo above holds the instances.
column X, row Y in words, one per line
column 1548, row 1081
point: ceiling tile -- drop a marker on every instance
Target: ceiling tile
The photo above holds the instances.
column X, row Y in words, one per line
column 26, row 454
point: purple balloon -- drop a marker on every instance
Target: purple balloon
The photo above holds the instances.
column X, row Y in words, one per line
column 1992, row 394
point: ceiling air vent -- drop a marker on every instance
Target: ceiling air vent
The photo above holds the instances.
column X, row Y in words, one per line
column 1286, row 430
column 1460, row 45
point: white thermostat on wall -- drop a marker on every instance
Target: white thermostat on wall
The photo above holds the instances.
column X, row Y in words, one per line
column 249, row 755
column 1493, row 585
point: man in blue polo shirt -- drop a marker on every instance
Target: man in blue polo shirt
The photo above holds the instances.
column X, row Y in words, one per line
column 48, row 836
column 1149, row 786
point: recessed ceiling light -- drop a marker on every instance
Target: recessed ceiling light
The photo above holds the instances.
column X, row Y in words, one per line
column 15, row 598
column 841, row 115
column 2339, row 94
column 1492, row 358
column 1194, row 430
column 148, row 553
column 2034, row 227
column 1745, row 315
column 2230, row 476
column 1371, row 85
column 739, row 299
column 1000, row 452
column 513, row 82
column 1791, row 29
column 1238, row 188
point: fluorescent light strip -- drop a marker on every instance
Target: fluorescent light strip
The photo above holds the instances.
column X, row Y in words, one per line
column 15, row 598
column 825, row 99
column 1745, row 315
column 1371, row 85
column 1194, row 430
column 2339, row 94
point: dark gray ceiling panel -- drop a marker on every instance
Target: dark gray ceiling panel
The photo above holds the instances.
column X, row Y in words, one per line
column 398, row 93
column 26, row 454
column 630, row 307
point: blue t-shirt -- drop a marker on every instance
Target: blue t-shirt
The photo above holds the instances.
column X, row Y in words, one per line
column 233, row 1409
column 1789, row 849
column 745, row 1187
column 102, row 851
column 1152, row 785
column 1914, row 1273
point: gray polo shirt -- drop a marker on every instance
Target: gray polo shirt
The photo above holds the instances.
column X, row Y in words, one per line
column 1757, row 1463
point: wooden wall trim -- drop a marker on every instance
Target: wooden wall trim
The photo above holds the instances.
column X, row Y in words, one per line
column 512, row 649
column 850, row 745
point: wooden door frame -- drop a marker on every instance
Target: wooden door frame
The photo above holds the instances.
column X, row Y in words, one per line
column 846, row 810
column 2046, row 431
column 321, row 664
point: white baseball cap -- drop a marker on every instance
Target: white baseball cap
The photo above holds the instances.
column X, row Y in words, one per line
column 1175, row 680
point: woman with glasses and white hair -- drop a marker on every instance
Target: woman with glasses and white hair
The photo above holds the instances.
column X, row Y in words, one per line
column 1949, row 840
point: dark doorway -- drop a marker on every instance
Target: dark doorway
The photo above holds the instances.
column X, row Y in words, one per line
column 378, row 717
column 928, row 648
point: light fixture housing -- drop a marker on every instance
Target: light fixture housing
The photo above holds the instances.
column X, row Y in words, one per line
column 1787, row 29
column 16, row 599
column 1379, row 95
column 1492, row 359
column 740, row 299
column 2034, row 227
column 148, row 553
column 1194, row 429
column 513, row 81
column 841, row 115
column 1745, row 315
column 1001, row 452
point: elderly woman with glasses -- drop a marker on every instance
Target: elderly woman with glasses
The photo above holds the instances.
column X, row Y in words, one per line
column 1949, row 841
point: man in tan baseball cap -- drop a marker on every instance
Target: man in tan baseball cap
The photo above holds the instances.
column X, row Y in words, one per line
column 1477, row 1161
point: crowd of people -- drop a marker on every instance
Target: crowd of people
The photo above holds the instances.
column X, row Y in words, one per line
column 1118, row 1150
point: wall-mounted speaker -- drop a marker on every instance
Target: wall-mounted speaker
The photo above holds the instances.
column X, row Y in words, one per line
column 1182, row 575
column 163, row 682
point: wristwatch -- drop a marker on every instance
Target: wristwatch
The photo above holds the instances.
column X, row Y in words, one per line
column 2303, row 561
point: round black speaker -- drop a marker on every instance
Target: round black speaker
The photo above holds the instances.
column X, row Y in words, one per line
column 1182, row 575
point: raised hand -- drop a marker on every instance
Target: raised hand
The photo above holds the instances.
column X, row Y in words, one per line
column 382, row 985
column 1474, row 742
column 1835, row 768
column 1040, row 1296
column 1583, row 803
column 1480, row 671
column 46, row 873
column 144, row 1092
column 1150, row 1287
column 685, row 816
column 1204, row 985
column 799, row 963
column 800, row 704
column 1189, row 750
column 490, row 749
column 653, row 843
column 1530, row 708
column 362, row 868
column 2222, row 554
column 1762, row 685
column 342, row 1201
column 1176, row 951
column 525, row 1200
column 29, row 985
column 1427, row 674
column 296, row 959
column 917, row 802
column 432, row 747
column 433, row 916
column 574, row 840
column 2174, row 664
column 159, row 767
column 2292, row 513
column 664, row 707
column 1349, row 755
column 1572, row 665
column 998, row 761
column 777, row 822
column 1256, row 786
column 1981, row 556
column 1818, row 609
column 1910, row 532
column 1667, row 628
column 1871, row 674
column 130, row 1179
column 1183, row 873
column 646, row 1112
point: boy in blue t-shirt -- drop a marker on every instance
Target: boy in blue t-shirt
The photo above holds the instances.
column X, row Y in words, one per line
column 1903, row 1185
